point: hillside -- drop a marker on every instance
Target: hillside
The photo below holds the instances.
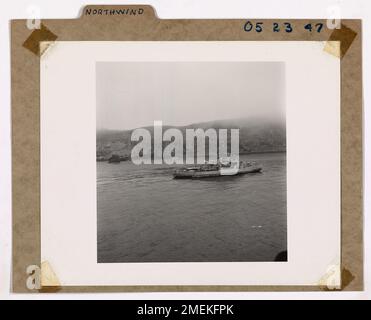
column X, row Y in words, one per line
column 256, row 136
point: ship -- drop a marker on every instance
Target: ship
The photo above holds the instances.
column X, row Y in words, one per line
column 219, row 169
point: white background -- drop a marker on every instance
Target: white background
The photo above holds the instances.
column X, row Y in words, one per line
column 179, row 9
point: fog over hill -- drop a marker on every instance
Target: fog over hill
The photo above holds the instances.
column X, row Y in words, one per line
column 256, row 136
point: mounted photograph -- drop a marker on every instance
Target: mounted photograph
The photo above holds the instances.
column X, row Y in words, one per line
column 186, row 155
column 191, row 164
column 191, row 161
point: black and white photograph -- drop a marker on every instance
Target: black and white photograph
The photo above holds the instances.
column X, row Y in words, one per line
column 191, row 162
column 214, row 150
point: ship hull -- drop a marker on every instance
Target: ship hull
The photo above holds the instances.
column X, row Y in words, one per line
column 209, row 174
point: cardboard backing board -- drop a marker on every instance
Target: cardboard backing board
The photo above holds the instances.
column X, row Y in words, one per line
column 140, row 23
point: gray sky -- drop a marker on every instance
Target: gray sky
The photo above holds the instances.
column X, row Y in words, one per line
column 134, row 94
